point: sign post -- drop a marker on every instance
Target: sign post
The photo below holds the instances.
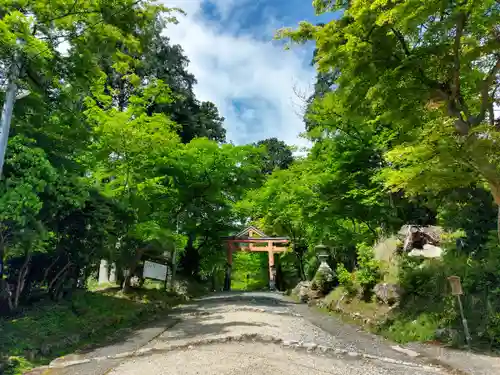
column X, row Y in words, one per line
column 456, row 290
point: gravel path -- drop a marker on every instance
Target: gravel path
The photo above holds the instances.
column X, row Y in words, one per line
column 250, row 333
column 255, row 359
column 260, row 333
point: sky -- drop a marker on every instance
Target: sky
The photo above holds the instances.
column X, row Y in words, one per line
column 250, row 77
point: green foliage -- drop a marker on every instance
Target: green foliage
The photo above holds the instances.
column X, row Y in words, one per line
column 106, row 151
column 250, row 271
column 417, row 72
column 49, row 331
column 276, row 155
column 324, row 282
column 427, row 291
column 346, row 279
column 423, row 328
column 369, row 272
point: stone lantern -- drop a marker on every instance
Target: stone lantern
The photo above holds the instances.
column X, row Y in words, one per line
column 322, row 253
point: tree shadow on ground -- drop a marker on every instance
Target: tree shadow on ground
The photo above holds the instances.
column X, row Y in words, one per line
column 200, row 329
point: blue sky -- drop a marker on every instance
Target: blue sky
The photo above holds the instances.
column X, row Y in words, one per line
column 253, row 81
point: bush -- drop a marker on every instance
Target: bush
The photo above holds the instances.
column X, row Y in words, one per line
column 324, row 282
column 369, row 272
column 346, row 279
column 427, row 291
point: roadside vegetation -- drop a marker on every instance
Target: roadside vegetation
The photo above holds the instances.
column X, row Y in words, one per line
column 111, row 156
column 46, row 331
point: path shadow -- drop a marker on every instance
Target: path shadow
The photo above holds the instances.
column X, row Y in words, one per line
column 252, row 299
column 198, row 329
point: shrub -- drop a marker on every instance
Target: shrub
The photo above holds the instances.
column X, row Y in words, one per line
column 427, row 291
column 369, row 272
column 324, row 282
column 346, row 279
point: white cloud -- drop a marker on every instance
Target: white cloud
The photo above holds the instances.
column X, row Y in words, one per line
column 258, row 75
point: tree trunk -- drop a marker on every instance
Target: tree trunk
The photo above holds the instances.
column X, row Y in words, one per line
column 300, row 259
column 55, row 281
column 49, row 268
column 21, row 279
column 126, row 283
column 4, row 287
column 213, row 280
column 299, row 253
column 59, row 285
column 5, row 294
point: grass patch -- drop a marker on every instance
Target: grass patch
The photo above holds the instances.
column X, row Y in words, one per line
column 399, row 327
column 404, row 330
column 370, row 310
column 48, row 330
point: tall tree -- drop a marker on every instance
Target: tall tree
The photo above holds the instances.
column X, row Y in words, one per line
column 276, row 155
column 429, row 71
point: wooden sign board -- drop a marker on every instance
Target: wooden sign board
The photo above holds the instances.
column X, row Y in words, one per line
column 456, row 285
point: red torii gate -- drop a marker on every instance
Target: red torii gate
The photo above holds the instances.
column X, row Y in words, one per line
column 233, row 243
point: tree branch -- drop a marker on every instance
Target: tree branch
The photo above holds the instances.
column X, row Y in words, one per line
column 402, row 41
column 456, row 55
column 485, row 88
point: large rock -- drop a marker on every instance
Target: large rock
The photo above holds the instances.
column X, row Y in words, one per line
column 415, row 237
column 428, row 251
column 387, row 293
column 447, row 335
column 305, row 292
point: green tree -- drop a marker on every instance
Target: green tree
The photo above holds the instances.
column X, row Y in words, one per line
column 209, row 178
column 427, row 72
column 27, row 175
column 282, row 206
column 276, row 155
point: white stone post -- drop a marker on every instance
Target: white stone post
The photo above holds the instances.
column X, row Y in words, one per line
column 112, row 273
column 103, row 272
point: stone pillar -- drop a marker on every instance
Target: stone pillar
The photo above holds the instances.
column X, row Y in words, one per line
column 112, row 273
column 103, row 272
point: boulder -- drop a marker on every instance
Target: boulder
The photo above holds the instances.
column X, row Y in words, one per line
column 387, row 293
column 447, row 335
column 428, row 251
column 415, row 237
column 305, row 292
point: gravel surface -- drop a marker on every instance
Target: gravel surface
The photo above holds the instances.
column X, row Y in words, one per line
column 278, row 340
column 232, row 320
column 255, row 359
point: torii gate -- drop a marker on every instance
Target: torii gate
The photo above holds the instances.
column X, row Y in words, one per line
column 233, row 243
